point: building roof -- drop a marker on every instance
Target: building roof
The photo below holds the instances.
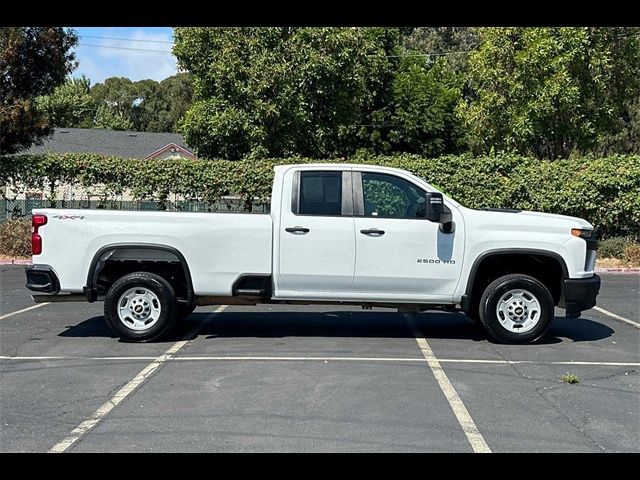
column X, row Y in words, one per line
column 108, row 142
column 172, row 148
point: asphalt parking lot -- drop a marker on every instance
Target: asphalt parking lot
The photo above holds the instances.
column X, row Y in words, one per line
column 318, row 378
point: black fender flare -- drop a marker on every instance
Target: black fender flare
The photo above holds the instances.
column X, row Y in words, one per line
column 97, row 263
column 466, row 298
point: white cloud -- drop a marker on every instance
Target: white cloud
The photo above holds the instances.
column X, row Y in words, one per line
column 100, row 61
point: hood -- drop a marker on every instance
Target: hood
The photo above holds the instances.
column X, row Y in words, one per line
column 525, row 213
column 524, row 219
column 565, row 218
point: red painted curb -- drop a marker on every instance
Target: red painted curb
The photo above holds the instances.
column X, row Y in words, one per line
column 15, row 261
column 618, row 270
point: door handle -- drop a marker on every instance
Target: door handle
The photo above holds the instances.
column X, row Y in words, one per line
column 297, row 230
column 372, row 231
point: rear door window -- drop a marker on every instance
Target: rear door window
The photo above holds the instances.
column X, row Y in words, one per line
column 320, row 193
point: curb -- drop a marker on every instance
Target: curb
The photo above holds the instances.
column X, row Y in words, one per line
column 15, row 261
column 628, row 271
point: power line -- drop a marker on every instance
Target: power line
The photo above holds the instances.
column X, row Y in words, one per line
column 403, row 55
column 369, row 56
column 626, row 35
column 376, row 125
column 171, row 43
column 434, row 54
column 126, row 39
column 125, row 48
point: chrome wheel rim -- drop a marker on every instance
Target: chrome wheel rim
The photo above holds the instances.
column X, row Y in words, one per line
column 518, row 310
column 139, row 308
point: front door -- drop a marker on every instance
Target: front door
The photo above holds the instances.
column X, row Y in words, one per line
column 400, row 254
column 317, row 244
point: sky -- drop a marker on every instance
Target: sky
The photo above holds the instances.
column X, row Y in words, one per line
column 102, row 52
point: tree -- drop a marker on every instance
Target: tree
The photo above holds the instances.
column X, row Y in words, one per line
column 284, row 91
column 160, row 106
column 626, row 139
column 123, row 104
column 177, row 92
column 70, row 105
column 149, row 107
column 146, row 105
column 455, row 42
column 424, row 119
column 550, row 91
column 118, row 94
column 110, row 119
column 33, row 61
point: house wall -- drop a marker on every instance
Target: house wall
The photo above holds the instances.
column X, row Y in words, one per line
column 168, row 155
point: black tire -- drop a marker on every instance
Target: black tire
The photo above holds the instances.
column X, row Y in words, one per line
column 493, row 294
column 166, row 299
column 184, row 309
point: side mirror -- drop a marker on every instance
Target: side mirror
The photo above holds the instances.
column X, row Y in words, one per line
column 437, row 212
column 435, row 207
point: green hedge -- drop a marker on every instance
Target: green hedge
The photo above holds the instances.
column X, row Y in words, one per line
column 605, row 191
column 614, row 247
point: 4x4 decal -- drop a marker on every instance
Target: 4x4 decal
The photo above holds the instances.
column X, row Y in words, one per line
column 69, row 217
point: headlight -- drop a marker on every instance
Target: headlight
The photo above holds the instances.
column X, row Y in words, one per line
column 582, row 232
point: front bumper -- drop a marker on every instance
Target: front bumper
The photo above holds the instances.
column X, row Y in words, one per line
column 42, row 278
column 579, row 294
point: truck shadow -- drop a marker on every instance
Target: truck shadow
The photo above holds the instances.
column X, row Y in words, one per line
column 381, row 325
column 345, row 324
column 92, row 327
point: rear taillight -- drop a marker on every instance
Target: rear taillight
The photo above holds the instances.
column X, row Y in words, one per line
column 36, row 240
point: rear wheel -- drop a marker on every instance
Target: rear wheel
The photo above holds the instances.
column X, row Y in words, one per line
column 516, row 309
column 140, row 306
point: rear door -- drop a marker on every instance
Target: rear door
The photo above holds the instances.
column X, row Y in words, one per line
column 400, row 254
column 316, row 237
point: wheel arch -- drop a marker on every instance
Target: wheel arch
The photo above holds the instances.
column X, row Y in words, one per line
column 496, row 254
column 130, row 252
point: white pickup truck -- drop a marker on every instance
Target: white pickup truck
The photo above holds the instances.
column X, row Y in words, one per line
column 335, row 234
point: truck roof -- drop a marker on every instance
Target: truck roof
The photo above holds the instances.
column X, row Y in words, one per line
column 278, row 168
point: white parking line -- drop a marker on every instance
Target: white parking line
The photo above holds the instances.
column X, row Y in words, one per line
column 7, row 315
column 296, row 359
column 617, row 317
column 86, row 426
column 218, row 358
column 71, row 357
column 534, row 362
column 469, row 427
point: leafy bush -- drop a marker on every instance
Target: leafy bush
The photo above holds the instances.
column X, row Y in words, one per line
column 15, row 237
column 632, row 253
column 569, row 378
column 604, row 191
column 613, row 247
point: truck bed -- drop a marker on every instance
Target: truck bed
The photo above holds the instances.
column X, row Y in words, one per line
column 222, row 246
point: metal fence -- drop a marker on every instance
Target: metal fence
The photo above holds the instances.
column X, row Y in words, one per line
column 10, row 209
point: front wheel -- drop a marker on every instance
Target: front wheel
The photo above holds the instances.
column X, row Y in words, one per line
column 140, row 306
column 516, row 309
